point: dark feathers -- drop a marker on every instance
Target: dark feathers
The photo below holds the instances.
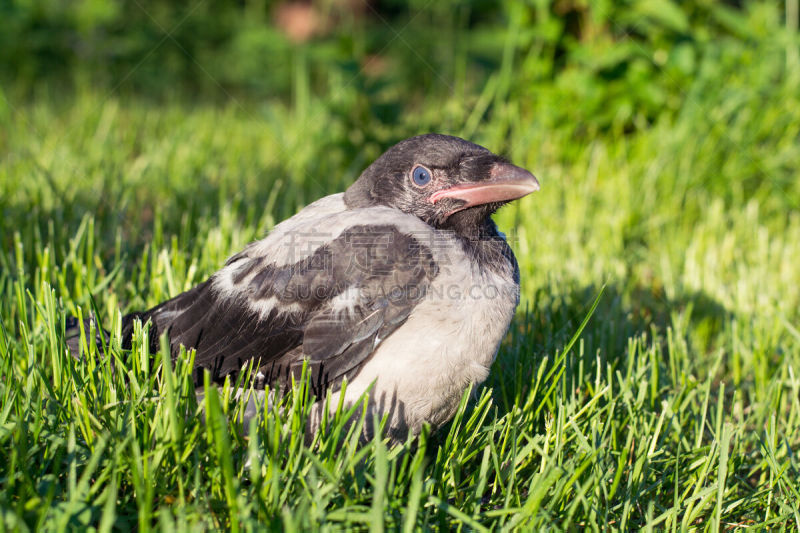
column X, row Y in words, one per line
column 382, row 272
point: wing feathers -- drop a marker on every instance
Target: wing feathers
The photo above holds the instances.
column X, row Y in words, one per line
column 331, row 308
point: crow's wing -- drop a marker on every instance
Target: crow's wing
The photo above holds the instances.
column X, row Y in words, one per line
column 331, row 308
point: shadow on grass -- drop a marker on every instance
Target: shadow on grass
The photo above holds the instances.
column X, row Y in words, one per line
column 545, row 327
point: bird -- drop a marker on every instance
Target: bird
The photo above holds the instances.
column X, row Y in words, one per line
column 402, row 286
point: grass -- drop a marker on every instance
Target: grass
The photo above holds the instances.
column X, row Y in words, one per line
column 674, row 405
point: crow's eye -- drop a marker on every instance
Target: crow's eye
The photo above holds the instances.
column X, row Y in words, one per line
column 421, row 176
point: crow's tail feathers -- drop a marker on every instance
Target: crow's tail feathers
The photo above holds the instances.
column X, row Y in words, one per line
column 72, row 335
column 74, row 328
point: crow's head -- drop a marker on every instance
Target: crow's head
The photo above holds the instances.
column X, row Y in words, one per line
column 447, row 182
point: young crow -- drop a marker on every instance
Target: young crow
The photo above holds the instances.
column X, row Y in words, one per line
column 403, row 281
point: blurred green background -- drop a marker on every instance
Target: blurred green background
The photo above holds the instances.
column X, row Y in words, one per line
column 605, row 65
column 334, row 82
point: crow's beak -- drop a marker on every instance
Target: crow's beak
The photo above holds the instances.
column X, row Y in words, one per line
column 506, row 182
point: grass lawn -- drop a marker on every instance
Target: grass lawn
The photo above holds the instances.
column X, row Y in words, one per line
column 674, row 404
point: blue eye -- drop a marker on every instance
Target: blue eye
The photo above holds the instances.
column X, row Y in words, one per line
column 421, row 175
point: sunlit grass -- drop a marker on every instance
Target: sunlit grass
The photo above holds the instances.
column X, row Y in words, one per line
column 677, row 407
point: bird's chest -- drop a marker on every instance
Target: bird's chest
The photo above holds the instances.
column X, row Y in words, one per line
column 447, row 344
column 471, row 319
column 466, row 315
